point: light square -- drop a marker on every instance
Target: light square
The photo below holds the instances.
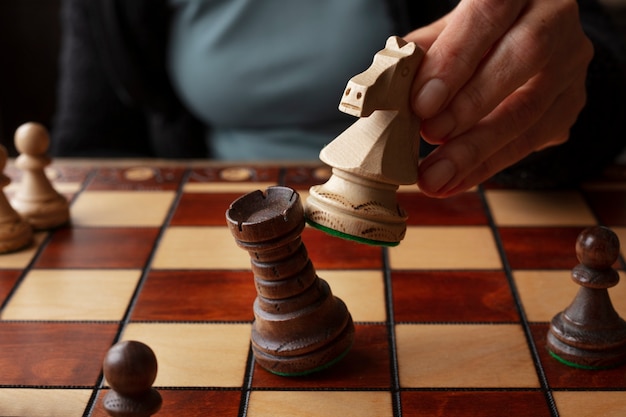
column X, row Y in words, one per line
column 196, row 354
column 539, row 208
column 121, row 208
column 192, row 247
column 25, row 402
column 304, row 195
column 590, row 403
column 414, row 188
column 226, row 187
column 363, row 291
column 72, row 294
column 66, row 188
column 320, row 404
column 442, row 247
column 545, row 293
column 408, row 188
column 23, row 257
column 464, row 356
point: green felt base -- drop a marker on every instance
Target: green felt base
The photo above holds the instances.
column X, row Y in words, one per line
column 579, row 366
column 343, row 235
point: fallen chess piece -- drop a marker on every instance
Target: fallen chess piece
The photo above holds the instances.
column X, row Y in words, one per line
column 299, row 326
column 589, row 334
column 374, row 156
column 36, row 200
column 130, row 368
column 15, row 233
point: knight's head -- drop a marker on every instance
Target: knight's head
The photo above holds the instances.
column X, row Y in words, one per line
column 386, row 84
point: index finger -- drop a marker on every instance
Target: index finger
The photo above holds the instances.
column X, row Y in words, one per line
column 471, row 30
column 425, row 36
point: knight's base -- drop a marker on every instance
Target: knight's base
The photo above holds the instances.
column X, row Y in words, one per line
column 346, row 236
column 356, row 208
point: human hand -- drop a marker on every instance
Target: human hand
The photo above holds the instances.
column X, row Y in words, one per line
column 500, row 80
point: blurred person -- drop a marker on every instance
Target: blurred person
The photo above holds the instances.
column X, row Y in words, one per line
column 529, row 91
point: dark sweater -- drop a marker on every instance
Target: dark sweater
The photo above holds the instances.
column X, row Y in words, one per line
column 115, row 98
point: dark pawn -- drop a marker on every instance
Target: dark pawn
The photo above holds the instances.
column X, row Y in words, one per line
column 299, row 326
column 130, row 368
column 589, row 334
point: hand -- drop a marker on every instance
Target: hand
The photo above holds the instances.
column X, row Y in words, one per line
column 500, row 80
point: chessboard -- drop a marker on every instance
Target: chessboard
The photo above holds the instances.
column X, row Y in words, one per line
column 451, row 322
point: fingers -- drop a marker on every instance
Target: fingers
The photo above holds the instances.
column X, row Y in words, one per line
column 470, row 32
column 425, row 36
column 499, row 161
column 494, row 143
column 509, row 64
column 535, row 43
column 544, row 36
column 500, row 81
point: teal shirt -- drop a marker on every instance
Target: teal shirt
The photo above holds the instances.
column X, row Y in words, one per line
column 267, row 75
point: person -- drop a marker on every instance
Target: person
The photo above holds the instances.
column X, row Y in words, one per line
column 527, row 92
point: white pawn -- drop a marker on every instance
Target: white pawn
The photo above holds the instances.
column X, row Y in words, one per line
column 36, row 200
column 15, row 233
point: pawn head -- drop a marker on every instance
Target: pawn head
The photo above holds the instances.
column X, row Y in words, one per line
column 597, row 247
column 130, row 367
column 32, row 139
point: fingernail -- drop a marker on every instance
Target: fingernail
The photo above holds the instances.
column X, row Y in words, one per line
column 431, row 97
column 437, row 175
column 439, row 127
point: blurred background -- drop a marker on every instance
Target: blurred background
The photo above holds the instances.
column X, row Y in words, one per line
column 29, row 46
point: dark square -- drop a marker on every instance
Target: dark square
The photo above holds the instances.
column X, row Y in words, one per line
column 75, row 247
column 452, row 296
column 203, row 209
column 196, row 296
column 53, row 354
column 365, row 366
column 540, row 248
column 189, row 403
column 8, row 278
column 475, row 403
column 303, row 178
column 462, row 209
column 331, row 252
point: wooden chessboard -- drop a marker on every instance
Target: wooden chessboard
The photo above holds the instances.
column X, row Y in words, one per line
column 452, row 322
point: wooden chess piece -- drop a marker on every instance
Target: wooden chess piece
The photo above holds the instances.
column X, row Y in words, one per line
column 130, row 368
column 299, row 326
column 589, row 333
column 15, row 233
column 375, row 155
column 36, row 200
